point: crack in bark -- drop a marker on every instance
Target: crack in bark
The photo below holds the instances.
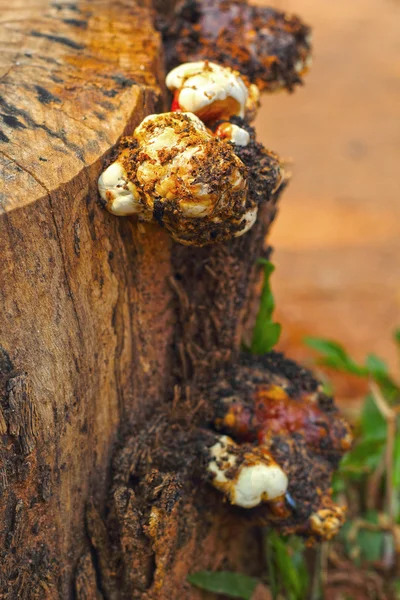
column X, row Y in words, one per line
column 63, row 260
column 25, row 170
column 64, row 264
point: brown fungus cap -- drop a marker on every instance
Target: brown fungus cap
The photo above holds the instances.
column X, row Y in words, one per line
column 266, row 174
column 191, row 182
column 271, row 48
column 201, row 187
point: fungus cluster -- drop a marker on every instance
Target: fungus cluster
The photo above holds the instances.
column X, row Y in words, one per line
column 274, row 438
column 272, row 48
column 176, row 172
column 281, row 439
column 183, row 169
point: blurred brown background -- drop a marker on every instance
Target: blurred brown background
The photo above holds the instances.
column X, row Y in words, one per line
column 337, row 237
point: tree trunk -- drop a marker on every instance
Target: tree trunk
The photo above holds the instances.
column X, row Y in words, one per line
column 92, row 334
column 118, row 346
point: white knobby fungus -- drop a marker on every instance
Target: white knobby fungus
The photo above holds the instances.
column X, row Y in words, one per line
column 249, row 218
column 326, row 522
column 179, row 178
column 247, row 478
column 211, row 91
column 177, row 172
column 121, row 196
column 233, row 133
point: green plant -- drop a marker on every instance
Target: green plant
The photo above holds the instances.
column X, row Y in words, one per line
column 369, row 475
column 233, row 585
column 266, row 333
column 288, row 574
column 332, row 354
column 368, row 479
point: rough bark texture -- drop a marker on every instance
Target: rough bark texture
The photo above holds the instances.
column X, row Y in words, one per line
column 99, row 320
column 86, row 315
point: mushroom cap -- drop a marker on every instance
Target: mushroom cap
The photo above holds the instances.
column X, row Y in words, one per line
column 269, row 47
column 120, row 196
column 189, row 181
column 212, row 91
column 247, row 477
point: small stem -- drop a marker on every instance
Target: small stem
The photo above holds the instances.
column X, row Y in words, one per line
column 390, row 416
column 373, row 485
column 271, row 566
column 319, row 572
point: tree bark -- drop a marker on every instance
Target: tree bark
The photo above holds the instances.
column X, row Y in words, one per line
column 81, row 349
column 95, row 332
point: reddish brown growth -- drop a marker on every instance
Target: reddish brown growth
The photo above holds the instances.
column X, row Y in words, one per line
column 270, row 47
column 276, row 405
column 273, row 412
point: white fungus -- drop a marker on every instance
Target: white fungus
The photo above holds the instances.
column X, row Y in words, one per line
column 246, row 479
column 120, row 195
column 249, row 218
column 209, row 90
column 175, row 171
column 235, row 134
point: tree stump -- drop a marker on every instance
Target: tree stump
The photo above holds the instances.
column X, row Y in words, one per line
column 112, row 335
column 80, row 347
column 88, row 311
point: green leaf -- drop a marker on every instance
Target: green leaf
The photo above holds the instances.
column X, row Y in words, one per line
column 396, row 589
column 339, row 485
column 379, row 371
column 365, row 544
column 364, row 458
column 230, row 584
column 370, row 542
column 335, row 356
column 376, row 366
column 396, row 475
column 396, row 463
column 266, row 333
column 289, row 573
column 273, row 575
column 396, row 336
column 373, row 424
column 266, row 338
column 287, row 566
column 326, row 347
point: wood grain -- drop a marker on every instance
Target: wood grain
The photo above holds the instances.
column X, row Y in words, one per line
column 80, row 346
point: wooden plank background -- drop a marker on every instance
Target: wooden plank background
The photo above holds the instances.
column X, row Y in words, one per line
column 337, row 236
